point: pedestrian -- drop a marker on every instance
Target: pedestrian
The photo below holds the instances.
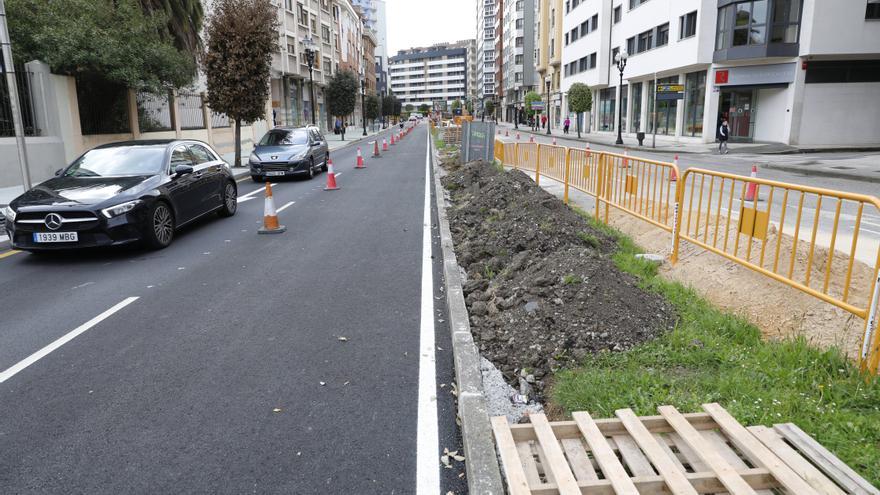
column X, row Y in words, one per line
column 342, row 129
column 565, row 124
column 336, row 126
column 543, row 121
column 723, row 135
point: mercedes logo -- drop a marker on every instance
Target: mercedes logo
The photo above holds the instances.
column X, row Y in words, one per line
column 53, row 221
column 274, row 157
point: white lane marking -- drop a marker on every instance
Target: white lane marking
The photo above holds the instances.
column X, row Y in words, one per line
column 279, row 210
column 33, row 358
column 4, row 238
column 251, row 195
column 871, row 223
column 427, row 443
column 871, row 231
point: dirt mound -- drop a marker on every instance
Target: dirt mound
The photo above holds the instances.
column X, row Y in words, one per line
column 542, row 290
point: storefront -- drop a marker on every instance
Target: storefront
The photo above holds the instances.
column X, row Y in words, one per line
column 750, row 94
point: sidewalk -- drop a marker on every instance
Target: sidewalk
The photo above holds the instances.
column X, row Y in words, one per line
column 669, row 145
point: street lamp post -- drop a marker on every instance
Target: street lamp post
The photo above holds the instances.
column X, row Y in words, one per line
column 364, row 103
column 620, row 60
column 548, row 79
column 310, row 60
column 516, row 117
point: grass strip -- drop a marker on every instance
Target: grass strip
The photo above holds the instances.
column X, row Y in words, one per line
column 713, row 356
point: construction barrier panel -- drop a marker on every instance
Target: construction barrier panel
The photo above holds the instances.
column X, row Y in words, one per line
column 771, row 227
column 775, row 229
column 499, row 151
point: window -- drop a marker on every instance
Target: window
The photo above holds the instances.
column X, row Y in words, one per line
column 519, row 41
column 687, row 25
column 519, row 23
column 518, row 60
column 325, row 33
column 635, row 3
column 662, row 35
column 288, row 5
column 607, row 101
column 844, row 71
column 566, row 39
column 695, row 97
column 328, row 67
column 585, row 28
column 574, row 35
column 301, row 15
column 749, row 23
column 617, row 14
column 637, row 107
column 631, row 45
column 872, row 11
column 594, row 22
column 180, row 156
column 201, row 154
column 645, row 41
column 593, row 60
column 666, row 110
column 582, row 64
column 786, row 21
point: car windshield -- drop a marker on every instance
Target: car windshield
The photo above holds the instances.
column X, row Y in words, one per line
column 280, row 137
column 118, row 161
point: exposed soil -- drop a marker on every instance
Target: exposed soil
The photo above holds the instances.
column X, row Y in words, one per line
column 542, row 290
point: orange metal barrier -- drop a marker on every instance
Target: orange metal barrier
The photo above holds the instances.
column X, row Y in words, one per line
column 643, row 188
column 509, row 153
column 499, row 151
column 551, row 162
column 526, row 156
column 736, row 217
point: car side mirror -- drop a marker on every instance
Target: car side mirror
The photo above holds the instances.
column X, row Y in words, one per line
column 181, row 170
column 58, row 172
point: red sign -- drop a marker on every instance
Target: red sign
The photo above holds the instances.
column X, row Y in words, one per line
column 721, row 76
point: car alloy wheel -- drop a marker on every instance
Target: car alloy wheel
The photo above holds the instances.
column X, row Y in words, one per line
column 230, row 200
column 163, row 225
column 311, row 168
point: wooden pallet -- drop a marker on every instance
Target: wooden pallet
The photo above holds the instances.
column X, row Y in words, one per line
column 708, row 452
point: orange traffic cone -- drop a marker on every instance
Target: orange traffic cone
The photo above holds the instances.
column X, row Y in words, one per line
column 588, row 151
column 270, row 216
column 531, row 139
column 393, row 142
column 331, row 177
column 384, row 144
column 360, row 159
column 752, row 188
column 626, row 158
column 554, row 141
column 517, row 136
column 673, row 176
column 376, row 148
column 506, row 133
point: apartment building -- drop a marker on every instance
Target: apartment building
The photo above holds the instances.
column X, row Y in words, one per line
column 499, row 56
column 518, row 56
column 800, row 72
column 335, row 30
column 485, row 60
column 429, row 75
column 549, row 35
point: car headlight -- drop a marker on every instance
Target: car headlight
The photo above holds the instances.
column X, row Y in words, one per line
column 120, row 208
column 254, row 159
column 298, row 156
column 9, row 214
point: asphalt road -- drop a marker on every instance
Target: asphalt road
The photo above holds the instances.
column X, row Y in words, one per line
column 227, row 373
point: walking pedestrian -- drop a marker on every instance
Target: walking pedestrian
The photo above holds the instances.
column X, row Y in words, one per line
column 723, row 135
column 342, row 129
column 565, row 124
column 543, row 121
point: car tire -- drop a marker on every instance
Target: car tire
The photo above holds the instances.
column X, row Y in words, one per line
column 257, row 178
column 230, row 200
column 324, row 168
column 160, row 226
column 311, row 169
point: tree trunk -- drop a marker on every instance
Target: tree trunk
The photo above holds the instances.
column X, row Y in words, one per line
column 237, row 161
column 579, row 125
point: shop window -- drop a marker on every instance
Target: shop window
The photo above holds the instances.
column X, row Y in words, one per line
column 607, row 101
column 664, row 118
column 843, row 71
column 695, row 97
column 637, row 107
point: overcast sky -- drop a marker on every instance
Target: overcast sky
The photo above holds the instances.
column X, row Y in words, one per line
column 425, row 22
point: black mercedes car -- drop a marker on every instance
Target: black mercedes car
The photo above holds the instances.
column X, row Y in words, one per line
column 122, row 193
column 289, row 151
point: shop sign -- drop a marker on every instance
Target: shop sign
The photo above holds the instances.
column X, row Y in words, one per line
column 751, row 75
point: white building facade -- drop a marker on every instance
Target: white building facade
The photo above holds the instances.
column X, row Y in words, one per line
column 485, row 59
column 429, row 75
column 798, row 72
column 518, row 55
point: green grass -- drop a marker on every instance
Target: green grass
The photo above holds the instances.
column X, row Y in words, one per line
column 713, row 356
column 571, row 279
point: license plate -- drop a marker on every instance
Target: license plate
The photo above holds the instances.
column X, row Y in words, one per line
column 274, row 174
column 55, row 237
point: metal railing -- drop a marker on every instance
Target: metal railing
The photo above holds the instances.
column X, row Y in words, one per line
column 771, row 227
column 189, row 105
column 219, row 120
column 25, row 83
column 154, row 112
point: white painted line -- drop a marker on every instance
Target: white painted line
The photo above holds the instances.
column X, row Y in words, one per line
column 871, row 223
column 427, row 442
column 871, row 231
column 4, row 238
column 279, row 210
column 251, row 195
column 33, row 358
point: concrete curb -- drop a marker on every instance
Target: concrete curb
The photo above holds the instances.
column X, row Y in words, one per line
column 819, row 172
column 483, row 472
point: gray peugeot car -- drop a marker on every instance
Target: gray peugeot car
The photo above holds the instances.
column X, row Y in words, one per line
column 289, row 151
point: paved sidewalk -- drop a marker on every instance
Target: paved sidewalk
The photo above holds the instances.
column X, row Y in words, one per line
column 669, row 145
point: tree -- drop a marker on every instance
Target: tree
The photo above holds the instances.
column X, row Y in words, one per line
column 424, row 108
column 529, row 98
column 456, row 104
column 580, row 99
column 341, row 93
column 185, row 18
column 398, row 107
column 489, row 108
column 409, row 107
column 371, row 107
column 114, row 41
column 241, row 36
column 469, row 105
column 388, row 105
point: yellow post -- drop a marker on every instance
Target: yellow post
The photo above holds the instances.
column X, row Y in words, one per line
column 515, row 156
column 676, row 218
column 538, row 165
column 567, row 166
column 600, row 183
